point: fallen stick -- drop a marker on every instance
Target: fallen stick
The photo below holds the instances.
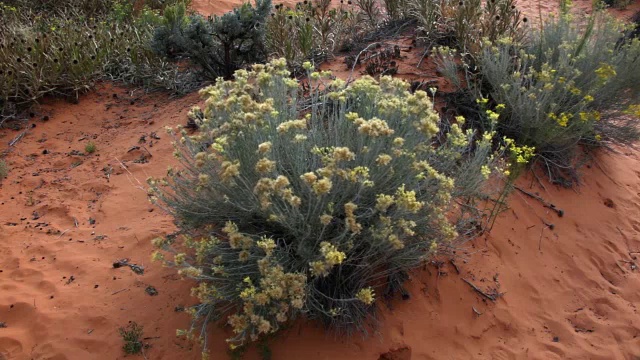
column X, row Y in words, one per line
column 546, row 204
column 455, row 266
column 540, row 240
column 17, row 138
column 490, row 297
column 119, row 291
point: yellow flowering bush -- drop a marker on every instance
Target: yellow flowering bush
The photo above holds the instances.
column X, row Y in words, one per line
column 283, row 227
column 572, row 84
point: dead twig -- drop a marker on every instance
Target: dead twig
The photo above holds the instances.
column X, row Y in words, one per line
column 621, row 268
column 145, row 149
column 546, row 204
column 540, row 240
column 455, row 266
column 139, row 186
column 488, row 296
column 356, row 60
column 18, row 138
column 119, row 291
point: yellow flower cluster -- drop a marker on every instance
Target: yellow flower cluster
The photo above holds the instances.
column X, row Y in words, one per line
column 562, row 119
column 350, row 218
column 236, row 239
column 374, row 127
column 343, row 154
column 521, row 154
column 300, row 124
column 406, row 200
column 264, row 147
column 633, row 110
column 383, row 202
column 331, row 257
column 605, row 72
column 265, row 165
column 383, row 159
column 322, row 186
column 589, row 116
column 229, row 170
column 366, row 295
column 266, row 188
column 277, row 294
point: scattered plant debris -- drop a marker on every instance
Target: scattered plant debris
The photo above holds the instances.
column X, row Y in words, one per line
column 152, row 291
column 138, row 269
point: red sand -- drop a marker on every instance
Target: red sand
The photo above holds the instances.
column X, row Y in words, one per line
column 570, row 292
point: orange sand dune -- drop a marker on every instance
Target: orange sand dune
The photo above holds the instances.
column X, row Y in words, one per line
column 65, row 217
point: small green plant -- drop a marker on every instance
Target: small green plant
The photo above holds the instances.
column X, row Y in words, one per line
column 131, row 335
column 315, row 212
column 90, row 147
column 4, row 170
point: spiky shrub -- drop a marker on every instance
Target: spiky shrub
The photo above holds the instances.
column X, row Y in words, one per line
column 466, row 24
column 294, row 212
column 371, row 10
column 396, row 9
column 219, row 45
column 311, row 31
column 572, row 85
column 65, row 55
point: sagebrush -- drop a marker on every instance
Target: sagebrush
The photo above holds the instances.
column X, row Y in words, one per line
column 314, row 209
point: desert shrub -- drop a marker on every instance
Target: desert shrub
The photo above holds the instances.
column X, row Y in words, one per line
column 116, row 9
column 314, row 212
column 396, row 9
column 4, row 170
column 371, row 10
column 168, row 36
column 310, row 31
column 219, row 45
column 466, row 24
column 571, row 85
column 65, row 55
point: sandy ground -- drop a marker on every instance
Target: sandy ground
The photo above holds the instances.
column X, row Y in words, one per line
column 570, row 292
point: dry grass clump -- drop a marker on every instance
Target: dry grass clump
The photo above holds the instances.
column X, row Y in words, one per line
column 466, row 24
column 318, row 211
column 65, row 54
column 312, row 31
